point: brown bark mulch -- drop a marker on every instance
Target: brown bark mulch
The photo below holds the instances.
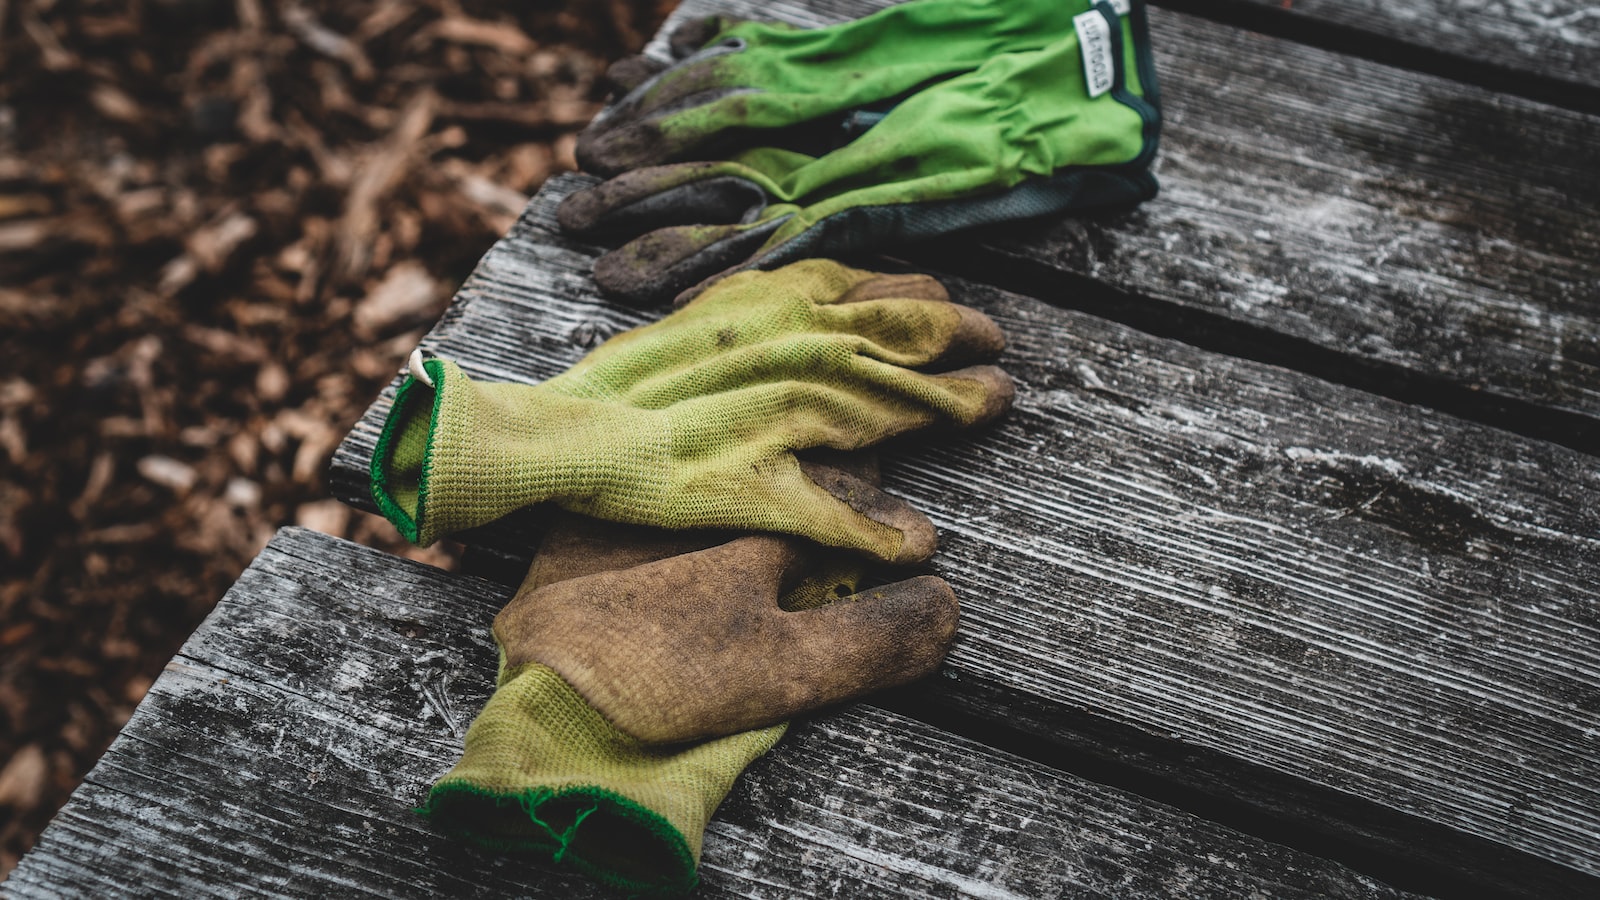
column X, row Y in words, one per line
column 223, row 225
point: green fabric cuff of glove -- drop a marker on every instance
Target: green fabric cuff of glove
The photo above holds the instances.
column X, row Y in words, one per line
column 400, row 462
column 459, row 453
column 543, row 772
column 696, row 421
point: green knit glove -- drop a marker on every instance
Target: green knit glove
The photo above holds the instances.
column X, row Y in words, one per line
column 743, row 78
column 1025, row 134
column 693, row 421
column 543, row 771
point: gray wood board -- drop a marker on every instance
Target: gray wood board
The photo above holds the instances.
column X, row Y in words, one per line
column 1548, row 46
column 282, row 751
column 1397, row 222
column 1385, row 602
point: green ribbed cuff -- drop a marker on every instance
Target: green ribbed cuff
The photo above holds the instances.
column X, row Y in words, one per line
column 544, row 772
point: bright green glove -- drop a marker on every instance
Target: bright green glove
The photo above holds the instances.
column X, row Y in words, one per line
column 543, row 771
column 1024, row 135
column 759, row 76
column 693, row 421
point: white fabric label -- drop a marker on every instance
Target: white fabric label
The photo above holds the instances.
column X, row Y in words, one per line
column 1094, row 37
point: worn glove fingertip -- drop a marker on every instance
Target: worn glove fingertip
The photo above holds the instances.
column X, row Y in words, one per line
column 918, row 538
column 898, row 287
column 629, row 72
column 695, row 34
column 900, row 632
column 936, row 615
column 610, row 151
column 580, row 212
column 977, row 337
column 999, row 392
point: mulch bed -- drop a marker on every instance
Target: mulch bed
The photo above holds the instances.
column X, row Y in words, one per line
column 223, row 225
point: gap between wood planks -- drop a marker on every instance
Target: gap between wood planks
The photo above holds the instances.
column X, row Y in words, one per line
column 1391, row 51
column 1123, row 758
column 1209, row 331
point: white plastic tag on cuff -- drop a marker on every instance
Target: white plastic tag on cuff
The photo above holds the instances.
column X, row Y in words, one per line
column 417, row 371
column 1094, row 37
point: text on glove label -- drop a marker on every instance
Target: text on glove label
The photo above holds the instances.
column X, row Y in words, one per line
column 1094, row 36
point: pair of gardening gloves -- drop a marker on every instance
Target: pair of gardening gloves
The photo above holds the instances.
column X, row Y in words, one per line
column 763, row 144
column 647, row 660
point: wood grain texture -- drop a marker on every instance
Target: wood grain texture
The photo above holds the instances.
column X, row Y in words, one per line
column 282, row 750
column 1380, row 602
column 1405, row 226
column 1556, row 42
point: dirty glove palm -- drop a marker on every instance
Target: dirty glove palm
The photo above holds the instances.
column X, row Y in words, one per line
column 1023, row 135
column 692, row 422
column 545, row 769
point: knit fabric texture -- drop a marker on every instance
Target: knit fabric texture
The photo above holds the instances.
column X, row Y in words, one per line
column 542, row 771
column 692, row 422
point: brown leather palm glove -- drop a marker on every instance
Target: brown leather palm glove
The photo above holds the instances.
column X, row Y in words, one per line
column 696, row 646
column 543, row 771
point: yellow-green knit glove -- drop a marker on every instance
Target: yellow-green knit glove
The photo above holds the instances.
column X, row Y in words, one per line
column 693, row 421
column 542, row 771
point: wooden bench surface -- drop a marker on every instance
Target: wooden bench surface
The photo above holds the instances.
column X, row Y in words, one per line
column 1291, row 581
column 1295, row 523
column 1543, row 48
column 283, row 748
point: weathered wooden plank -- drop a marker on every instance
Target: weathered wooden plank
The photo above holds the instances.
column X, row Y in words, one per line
column 1392, row 612
column 1550, row 48
column 282, row 750
column 1367, row 223
column 1542, row 44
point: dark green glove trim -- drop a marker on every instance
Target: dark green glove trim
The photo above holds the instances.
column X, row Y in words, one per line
column 595, row 831
column 1147, row 106
column 380, row 472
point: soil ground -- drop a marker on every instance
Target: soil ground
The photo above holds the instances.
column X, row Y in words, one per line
column 223, row 225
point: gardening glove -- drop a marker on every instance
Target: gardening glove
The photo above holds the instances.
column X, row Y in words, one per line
column 693, row 421
column 696, row 646
column 1025, row 134
column 542, row 770
column 736, row 79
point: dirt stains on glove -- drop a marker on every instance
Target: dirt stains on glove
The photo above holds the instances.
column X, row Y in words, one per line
column 699, row 421
column 934, row 116
column 696, row 646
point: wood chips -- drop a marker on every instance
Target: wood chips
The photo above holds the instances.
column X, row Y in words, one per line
column 223, row 225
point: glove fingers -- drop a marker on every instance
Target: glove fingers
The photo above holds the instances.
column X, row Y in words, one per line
column 633, row 133
column 692, row 36
column 876, row 639
column 917, row 333
column 994, row 388
column 662, row 263
column 647, row 199
column 856, row 499
column 627, row 73
column 790, row 663
column 653, row 648
column 908, row 286
column 577, row 545
column 862, row 402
